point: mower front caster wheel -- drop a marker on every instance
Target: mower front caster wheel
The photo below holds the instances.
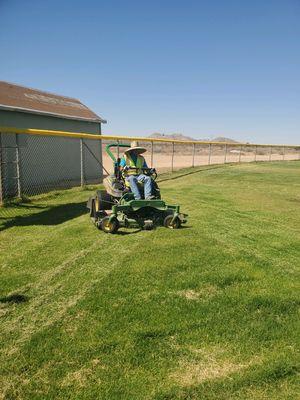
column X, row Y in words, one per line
column 109, row 225
column 148, row 225
column 171, row 222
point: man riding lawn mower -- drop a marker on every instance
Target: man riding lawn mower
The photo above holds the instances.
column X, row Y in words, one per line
column 132, row 165
column 132, row 197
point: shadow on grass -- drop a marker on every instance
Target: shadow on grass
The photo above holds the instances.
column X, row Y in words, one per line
column 54, row 215
column 197, row 171
column 15, row 298
column 129, row 232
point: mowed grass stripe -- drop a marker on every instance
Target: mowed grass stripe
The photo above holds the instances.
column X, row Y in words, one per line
column 210, row 311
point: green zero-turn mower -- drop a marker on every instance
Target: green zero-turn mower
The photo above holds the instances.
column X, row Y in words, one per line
column 116, row 206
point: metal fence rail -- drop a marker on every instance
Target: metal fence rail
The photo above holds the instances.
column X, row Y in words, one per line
column 34, row 161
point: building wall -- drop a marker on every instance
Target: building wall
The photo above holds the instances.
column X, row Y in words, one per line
column 48, row 162
column 23, row 120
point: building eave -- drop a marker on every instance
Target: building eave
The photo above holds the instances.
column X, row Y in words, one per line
column 32, row 111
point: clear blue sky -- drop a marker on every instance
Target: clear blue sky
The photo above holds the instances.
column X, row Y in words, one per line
column 201, row 68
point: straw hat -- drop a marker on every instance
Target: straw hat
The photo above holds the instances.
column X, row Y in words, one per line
column 135, row 147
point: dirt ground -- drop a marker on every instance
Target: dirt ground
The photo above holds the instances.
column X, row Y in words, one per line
column 163, row 161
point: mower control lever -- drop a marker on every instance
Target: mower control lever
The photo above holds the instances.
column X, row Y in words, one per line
column 148, row 171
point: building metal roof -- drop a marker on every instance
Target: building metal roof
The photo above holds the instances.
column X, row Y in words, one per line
column 20, row 98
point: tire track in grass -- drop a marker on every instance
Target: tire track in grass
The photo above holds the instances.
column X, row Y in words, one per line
column 251, row 225
column 33, row 323
column 36, row 261
column 47, row 310
column 58, row 291
column 47, row 277
column 38, row 239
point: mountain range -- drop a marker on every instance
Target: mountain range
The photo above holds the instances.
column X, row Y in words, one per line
column 179, row 136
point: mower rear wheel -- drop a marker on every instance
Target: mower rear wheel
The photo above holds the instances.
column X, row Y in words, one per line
column 171, row 222
column 109, row 225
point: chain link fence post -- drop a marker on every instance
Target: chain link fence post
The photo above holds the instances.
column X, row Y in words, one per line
column 18, row 168
column 283, row 153
column 209, row 153
column 194, row 149
column 240, row 154
column 255, row 154
column 172, row 161
column 270, row 154
column 151, row 162
column 225, row 155
column 81, row 164
column 1, row 177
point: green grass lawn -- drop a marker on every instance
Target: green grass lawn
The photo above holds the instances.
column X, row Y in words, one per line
column 210, row 311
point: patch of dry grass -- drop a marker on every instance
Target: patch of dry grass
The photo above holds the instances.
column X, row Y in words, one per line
column 205, row 292
column 207, row 365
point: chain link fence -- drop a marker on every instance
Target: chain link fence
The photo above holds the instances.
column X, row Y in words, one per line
column 31, row 164
column 173, row 156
